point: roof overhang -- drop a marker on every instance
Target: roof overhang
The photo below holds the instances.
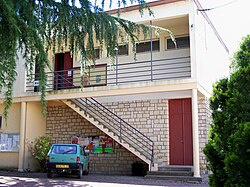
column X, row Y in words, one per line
column 136, row 7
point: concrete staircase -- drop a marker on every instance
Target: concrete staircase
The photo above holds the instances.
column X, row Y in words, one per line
column 97, row 117
column 176, row 173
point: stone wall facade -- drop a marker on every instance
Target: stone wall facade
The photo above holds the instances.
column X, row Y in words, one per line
column 63, row 123
column 148, row 116
column 204, row 120
column 151, row 118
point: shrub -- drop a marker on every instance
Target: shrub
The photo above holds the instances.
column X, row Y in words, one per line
column 41, row 149
column 228, row 149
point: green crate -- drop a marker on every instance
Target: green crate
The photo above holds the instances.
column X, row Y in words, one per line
column 108, row 150
column 98, row 150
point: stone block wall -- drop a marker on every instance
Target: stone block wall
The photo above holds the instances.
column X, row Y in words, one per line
column 204, row 120
column 148, row 116
column 63, row 123
column 151, row 118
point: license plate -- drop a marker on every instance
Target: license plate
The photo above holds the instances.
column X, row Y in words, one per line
column 62, row 166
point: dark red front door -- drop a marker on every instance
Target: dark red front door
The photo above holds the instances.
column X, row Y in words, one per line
column 63, row 71
column 180, row 132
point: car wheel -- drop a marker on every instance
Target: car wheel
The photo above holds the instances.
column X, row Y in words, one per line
column 49, row 174
column 79, row 173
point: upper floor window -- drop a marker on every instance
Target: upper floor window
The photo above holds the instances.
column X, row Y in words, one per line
column 181, row 42
column 97, row 54
column 122, row 50
column 1, row 121
column 37, row 71
column 146, row 46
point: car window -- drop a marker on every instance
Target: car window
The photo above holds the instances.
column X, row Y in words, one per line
column 64, row 149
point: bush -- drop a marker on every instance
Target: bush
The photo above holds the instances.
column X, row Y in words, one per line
column 237, row 160
column 228, row 149
column 41, row 149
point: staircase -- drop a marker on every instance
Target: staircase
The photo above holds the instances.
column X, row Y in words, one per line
column 176, row 173
column 115, row 127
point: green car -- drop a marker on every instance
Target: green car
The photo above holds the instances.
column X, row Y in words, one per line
column 68, row 159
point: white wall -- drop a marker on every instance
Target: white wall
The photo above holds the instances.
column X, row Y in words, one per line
column 160, row 12
column 212, row 60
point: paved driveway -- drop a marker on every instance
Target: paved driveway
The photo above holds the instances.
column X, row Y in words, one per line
column 40, row 179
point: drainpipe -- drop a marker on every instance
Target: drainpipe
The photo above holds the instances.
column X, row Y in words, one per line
column 151, row 49
column 196, row 153
column 116, row 60
column 22, row 137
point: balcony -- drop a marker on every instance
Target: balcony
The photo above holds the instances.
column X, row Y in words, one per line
column 178, row 67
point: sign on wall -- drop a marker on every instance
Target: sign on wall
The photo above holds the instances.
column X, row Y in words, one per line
column 9, row 142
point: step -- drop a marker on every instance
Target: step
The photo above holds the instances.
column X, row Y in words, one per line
column 171, row 173
column 175, row 178
column 176, row 168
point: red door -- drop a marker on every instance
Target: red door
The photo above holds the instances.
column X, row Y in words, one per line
column 180, row 132
column 63, row 71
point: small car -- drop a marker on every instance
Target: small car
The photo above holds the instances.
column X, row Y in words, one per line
column 67, row 159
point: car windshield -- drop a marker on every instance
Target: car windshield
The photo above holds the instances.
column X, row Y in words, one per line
column 63, row 149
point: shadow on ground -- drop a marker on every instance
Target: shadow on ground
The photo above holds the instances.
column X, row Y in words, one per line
column 13, row 178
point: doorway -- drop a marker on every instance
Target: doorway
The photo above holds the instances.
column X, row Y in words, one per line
column 180, row 132
column 63, row 74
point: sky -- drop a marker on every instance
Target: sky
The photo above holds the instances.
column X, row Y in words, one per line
column 231, row 19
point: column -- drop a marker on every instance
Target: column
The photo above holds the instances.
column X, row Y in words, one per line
column 22, row 137
column 196, row 155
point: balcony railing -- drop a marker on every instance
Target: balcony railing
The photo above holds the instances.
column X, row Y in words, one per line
column 122, row 73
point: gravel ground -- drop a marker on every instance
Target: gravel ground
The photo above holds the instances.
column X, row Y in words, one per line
column 32, row 179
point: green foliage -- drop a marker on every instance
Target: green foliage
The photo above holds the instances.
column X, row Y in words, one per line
column 228, row 152
column 31, row 28
column 41, row 149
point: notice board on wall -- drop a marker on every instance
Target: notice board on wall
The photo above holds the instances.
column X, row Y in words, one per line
column 95, row 144
column 9, row 142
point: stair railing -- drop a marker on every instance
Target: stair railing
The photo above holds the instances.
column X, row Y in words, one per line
column 123, row 130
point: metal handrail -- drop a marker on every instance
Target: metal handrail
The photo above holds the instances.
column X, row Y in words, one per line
column 119, row 118
column 139, row 71
column 112, row 121
column 96, row 113
column 110, row 114
column 156, row 60
column 67, row 81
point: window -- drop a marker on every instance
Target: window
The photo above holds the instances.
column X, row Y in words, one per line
column 64, row 149
column 97, row 54
column 1, row 122
column 122, row 50
column 181, row 42
column 146, row 46
column 37, row 71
